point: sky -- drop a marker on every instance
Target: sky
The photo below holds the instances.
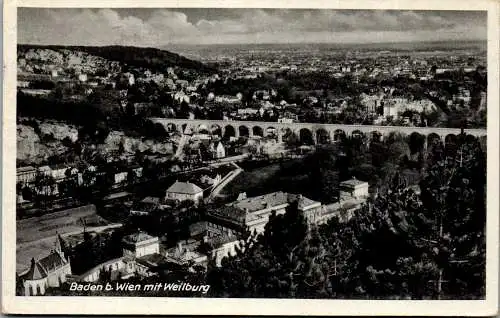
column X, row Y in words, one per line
column 159, row 27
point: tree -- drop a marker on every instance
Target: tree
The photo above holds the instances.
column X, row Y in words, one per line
column 398, row 245
column 132, row 177
column 325, row 174
column 453, row 197
column 45, row 187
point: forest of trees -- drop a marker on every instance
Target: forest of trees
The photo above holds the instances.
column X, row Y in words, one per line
column 399, row 245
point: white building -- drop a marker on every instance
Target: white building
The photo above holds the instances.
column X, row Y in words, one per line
column 390, row 109
column 25, row 174
column 129, row 77
column 354, row 189
column 217, row 149
column 120, row 177
column 82, row 77
column 227, row 99
column 181, row 191
column 140, row 244
column 58, row 171
column 253, row 213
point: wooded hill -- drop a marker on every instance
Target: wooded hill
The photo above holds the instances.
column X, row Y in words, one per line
column 151, row 58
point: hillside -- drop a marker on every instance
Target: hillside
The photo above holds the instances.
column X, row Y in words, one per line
column 151, row 58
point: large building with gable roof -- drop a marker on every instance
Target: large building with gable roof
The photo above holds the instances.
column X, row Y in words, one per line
column 252, row 214
column 226, row 225
column 181, row 191
column 50, row 271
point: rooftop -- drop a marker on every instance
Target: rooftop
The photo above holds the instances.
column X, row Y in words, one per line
column 243, row 210
column 261, row 202
column 25, row 169
column 138, row 237
column 152, row 260
column 151, row 200
column 184, row 188
column 117, row 195
column 42, row 268
column 303, row 201
column 59, row 166
column 353, row 183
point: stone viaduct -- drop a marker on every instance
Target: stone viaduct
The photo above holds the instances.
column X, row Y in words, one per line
column 307, row 132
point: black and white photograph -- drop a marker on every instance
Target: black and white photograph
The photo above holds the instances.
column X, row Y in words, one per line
column 235, row 153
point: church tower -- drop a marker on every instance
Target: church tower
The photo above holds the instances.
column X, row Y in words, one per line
column 60, row 245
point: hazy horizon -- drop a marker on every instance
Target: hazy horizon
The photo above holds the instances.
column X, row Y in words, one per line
column 161, row 27
column 296, row 44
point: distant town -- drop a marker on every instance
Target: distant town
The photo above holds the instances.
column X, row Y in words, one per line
column 142, row 165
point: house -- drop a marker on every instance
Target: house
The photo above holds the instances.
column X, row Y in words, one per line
column 180, row 191
column 217, row 150
column 25, row 174
column 140, row 244
column 284, row 120
column 120, row 177
column 128, row 78
column 23, row 84
column 82, row 77
column 247, row 111
column 137, row 170
column 354, row 189
column 227, row 99
column 58, row 171
column 72, row 171
column 45, row 170
column 180, row 97
column 50, row 271
column 141, row 252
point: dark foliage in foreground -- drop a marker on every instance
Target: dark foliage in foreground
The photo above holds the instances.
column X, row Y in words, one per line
column 400, row 245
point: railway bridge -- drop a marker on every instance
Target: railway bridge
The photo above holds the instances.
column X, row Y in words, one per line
column 307, row 132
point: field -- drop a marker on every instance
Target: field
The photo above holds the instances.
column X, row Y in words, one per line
column 290, row 176
column 249, row 180
column 37, row 228
column 36, row 236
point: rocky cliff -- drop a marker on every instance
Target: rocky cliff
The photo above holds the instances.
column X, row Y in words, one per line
column 30, row 148
column 132, row 144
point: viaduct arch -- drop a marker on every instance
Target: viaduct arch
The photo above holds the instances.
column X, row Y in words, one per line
column 313, row 132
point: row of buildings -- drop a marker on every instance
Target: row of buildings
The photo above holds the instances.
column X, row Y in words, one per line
column 225, row 226
column 47, row 179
